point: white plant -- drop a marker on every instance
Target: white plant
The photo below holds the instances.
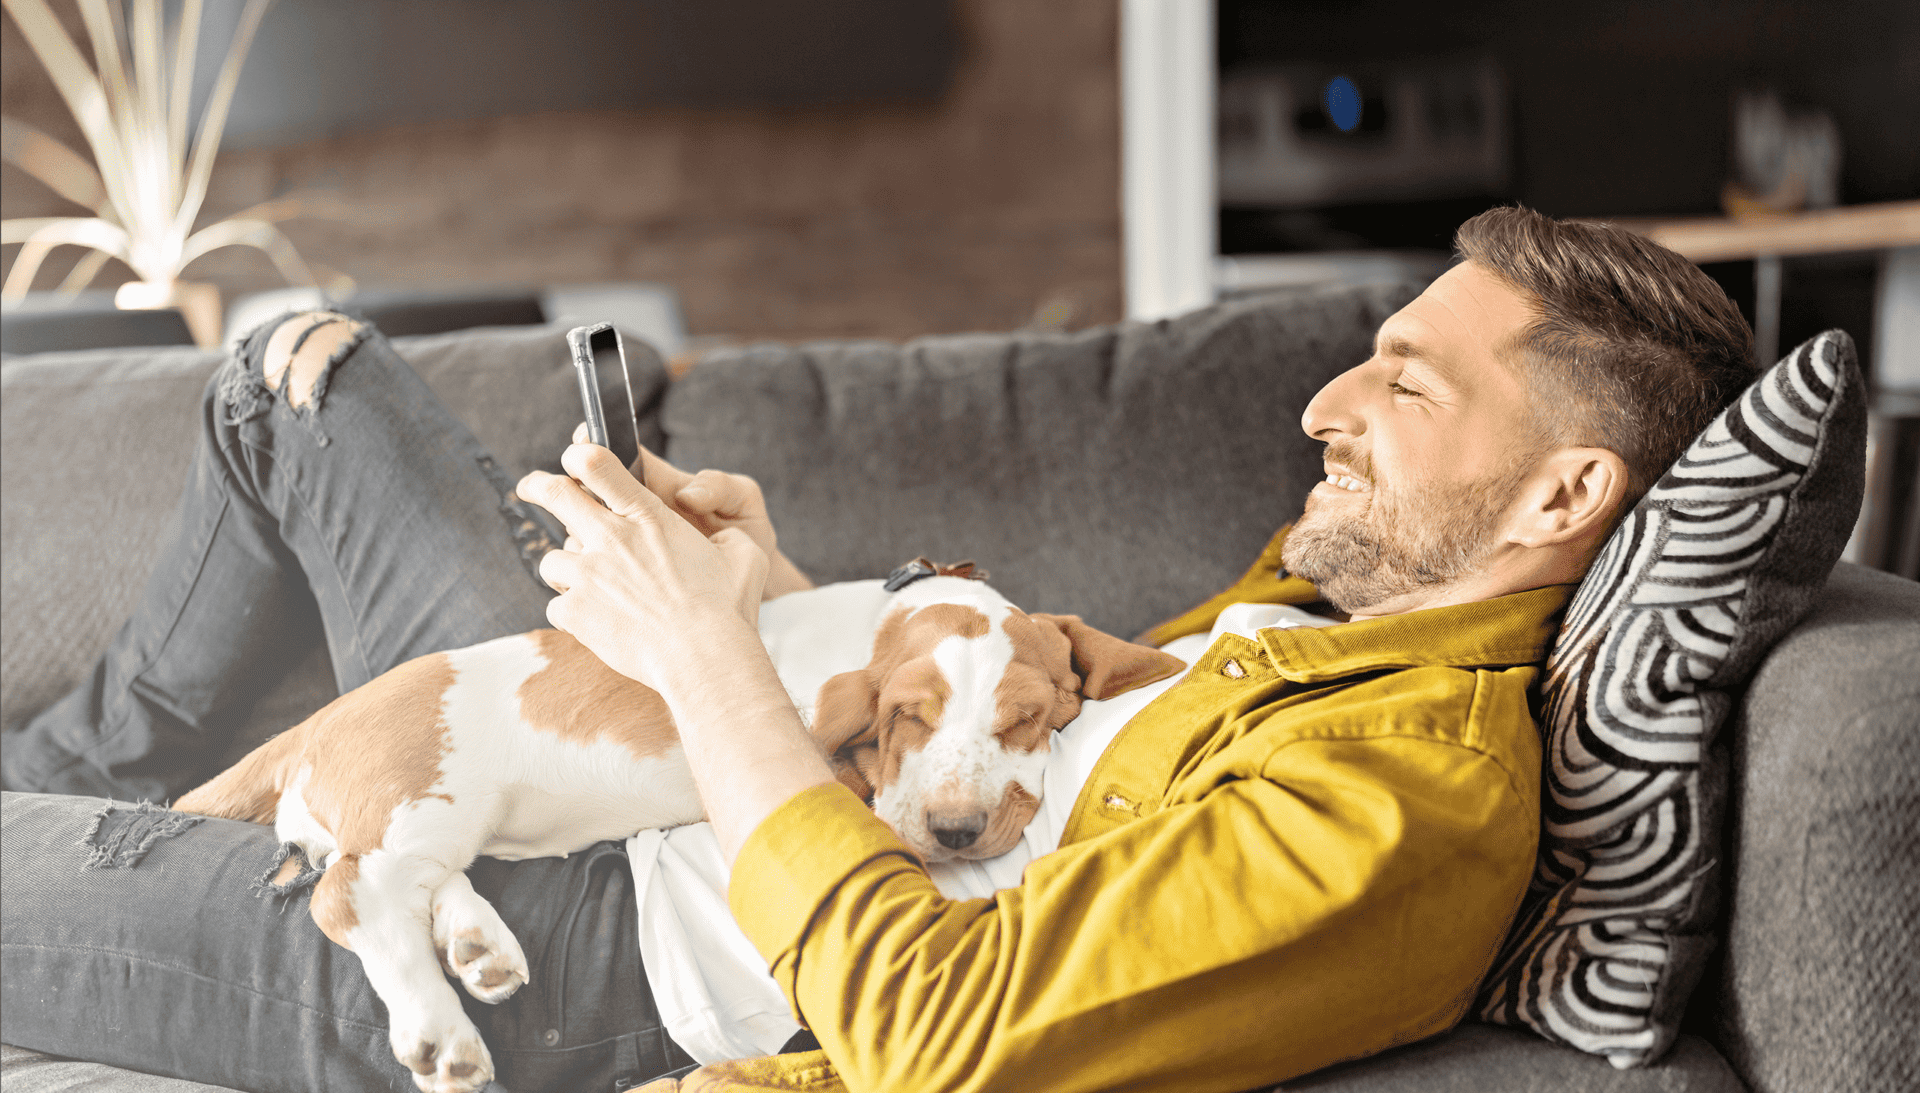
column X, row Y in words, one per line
column 147, row 181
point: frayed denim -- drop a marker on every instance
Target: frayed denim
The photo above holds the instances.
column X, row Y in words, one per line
column 144, row 938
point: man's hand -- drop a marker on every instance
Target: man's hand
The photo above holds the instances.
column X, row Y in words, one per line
column 713, row 501
column 639, row 584
column 664, row 603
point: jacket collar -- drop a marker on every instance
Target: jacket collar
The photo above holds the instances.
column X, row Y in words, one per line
column 1499, row 633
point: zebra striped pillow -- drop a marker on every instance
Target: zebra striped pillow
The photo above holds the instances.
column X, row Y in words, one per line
column 1716, row 563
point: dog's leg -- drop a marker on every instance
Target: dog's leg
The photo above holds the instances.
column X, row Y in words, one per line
column 475, row 947
column 378, row 905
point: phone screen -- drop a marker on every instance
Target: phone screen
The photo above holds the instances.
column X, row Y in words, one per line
column 597, row 351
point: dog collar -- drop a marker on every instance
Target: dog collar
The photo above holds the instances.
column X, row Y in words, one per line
column 921, row 568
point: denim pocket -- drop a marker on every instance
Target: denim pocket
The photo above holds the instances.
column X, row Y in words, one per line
column 587, row 1019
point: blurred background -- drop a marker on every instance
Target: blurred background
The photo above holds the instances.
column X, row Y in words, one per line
column 731, row 170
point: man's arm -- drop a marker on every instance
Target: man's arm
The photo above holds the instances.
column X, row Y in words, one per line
column 1349, row 902
column 1320, row 902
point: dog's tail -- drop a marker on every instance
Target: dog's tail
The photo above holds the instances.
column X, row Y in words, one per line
column 250, row 789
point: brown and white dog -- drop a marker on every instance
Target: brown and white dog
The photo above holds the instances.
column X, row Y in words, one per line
column 529, row 746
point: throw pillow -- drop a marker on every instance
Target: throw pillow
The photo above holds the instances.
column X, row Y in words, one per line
column 1717, row 562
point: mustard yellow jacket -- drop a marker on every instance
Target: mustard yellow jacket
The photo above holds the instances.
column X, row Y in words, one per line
column 1305, row 851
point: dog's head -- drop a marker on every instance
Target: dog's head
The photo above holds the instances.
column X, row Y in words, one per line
column 947, row 729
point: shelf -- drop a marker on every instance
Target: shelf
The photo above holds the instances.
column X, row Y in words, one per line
column 1826, row 231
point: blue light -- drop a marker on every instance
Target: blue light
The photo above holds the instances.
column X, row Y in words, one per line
column 1342, row 102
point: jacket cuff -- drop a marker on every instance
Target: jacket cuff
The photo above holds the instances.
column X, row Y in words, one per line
column 795, row 860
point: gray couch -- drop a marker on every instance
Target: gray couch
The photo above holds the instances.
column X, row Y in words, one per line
column 1122, row 474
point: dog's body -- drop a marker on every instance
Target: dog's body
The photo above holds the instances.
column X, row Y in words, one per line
column 530, row 746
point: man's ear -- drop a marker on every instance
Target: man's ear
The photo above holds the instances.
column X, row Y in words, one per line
column 1575, row 496
column 844, row 717
column 1107, row 665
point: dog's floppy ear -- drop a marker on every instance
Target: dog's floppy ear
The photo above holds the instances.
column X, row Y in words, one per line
column 844, row 719
column 1107, row 665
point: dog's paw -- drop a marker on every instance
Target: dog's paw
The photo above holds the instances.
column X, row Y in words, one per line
column 474, row 946
column 449, row 1059
column 490, row 969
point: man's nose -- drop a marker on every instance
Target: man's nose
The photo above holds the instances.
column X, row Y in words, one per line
column 1335, row 411
column 956, row 830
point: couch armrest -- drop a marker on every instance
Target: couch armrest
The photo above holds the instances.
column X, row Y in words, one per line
column 1820, row 978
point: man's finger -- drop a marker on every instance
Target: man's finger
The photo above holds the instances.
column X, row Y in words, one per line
column 714, row 493
column 560, row 612
column 557, row 569
column 663, row 478
column 598, row 470
column 574, row 507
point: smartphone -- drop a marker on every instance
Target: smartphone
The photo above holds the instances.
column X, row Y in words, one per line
column 593, row 348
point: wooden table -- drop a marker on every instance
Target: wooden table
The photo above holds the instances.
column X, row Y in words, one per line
column 1765, row 240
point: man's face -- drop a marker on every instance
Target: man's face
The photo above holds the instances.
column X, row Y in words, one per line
column 1427, row 443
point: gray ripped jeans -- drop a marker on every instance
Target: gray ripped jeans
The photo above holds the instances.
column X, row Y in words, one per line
column 138, row 937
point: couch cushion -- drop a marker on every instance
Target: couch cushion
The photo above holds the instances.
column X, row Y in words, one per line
column 32, row 1072
column 1714, row 565
column 1476, row 1058
column 1120, row 474
column 1818, row 986
column 95, row 446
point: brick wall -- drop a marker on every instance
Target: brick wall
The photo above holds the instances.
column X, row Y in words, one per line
column 889, row 221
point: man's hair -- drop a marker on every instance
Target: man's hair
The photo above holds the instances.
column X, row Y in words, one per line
column 1634, row 349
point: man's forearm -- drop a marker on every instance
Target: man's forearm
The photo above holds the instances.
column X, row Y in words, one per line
column 744, row 741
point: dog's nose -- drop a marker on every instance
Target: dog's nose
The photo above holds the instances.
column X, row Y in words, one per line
column 956, row 830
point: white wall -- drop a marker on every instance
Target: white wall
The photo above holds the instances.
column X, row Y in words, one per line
column 1167, row 85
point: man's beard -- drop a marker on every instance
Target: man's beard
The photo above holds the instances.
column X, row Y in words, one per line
column 1402, row 544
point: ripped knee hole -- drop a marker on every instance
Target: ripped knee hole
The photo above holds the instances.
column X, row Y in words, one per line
column 300, row 351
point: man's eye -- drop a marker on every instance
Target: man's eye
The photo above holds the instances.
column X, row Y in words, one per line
column 1399, row 390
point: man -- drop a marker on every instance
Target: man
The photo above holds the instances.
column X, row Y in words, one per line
column 1306, row 850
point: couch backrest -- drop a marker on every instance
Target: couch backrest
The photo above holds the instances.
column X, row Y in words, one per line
column 1817, row 984
column 1122, row 474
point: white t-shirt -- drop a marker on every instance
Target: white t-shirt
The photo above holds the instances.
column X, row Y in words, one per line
column 712, row 988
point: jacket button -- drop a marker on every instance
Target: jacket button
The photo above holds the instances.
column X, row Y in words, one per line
column 1232, row 670
column 550, row 1037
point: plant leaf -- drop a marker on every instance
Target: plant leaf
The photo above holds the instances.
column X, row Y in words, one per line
column 83, row 272
column 301, row 203
column 160, row 184
column 186, row 47
column 106, row 29
column 250, row 233
column 63, row 170
column 103, row 30
column 20, row 229
column 78, row 86
column 80, row 231
column 214, row 121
